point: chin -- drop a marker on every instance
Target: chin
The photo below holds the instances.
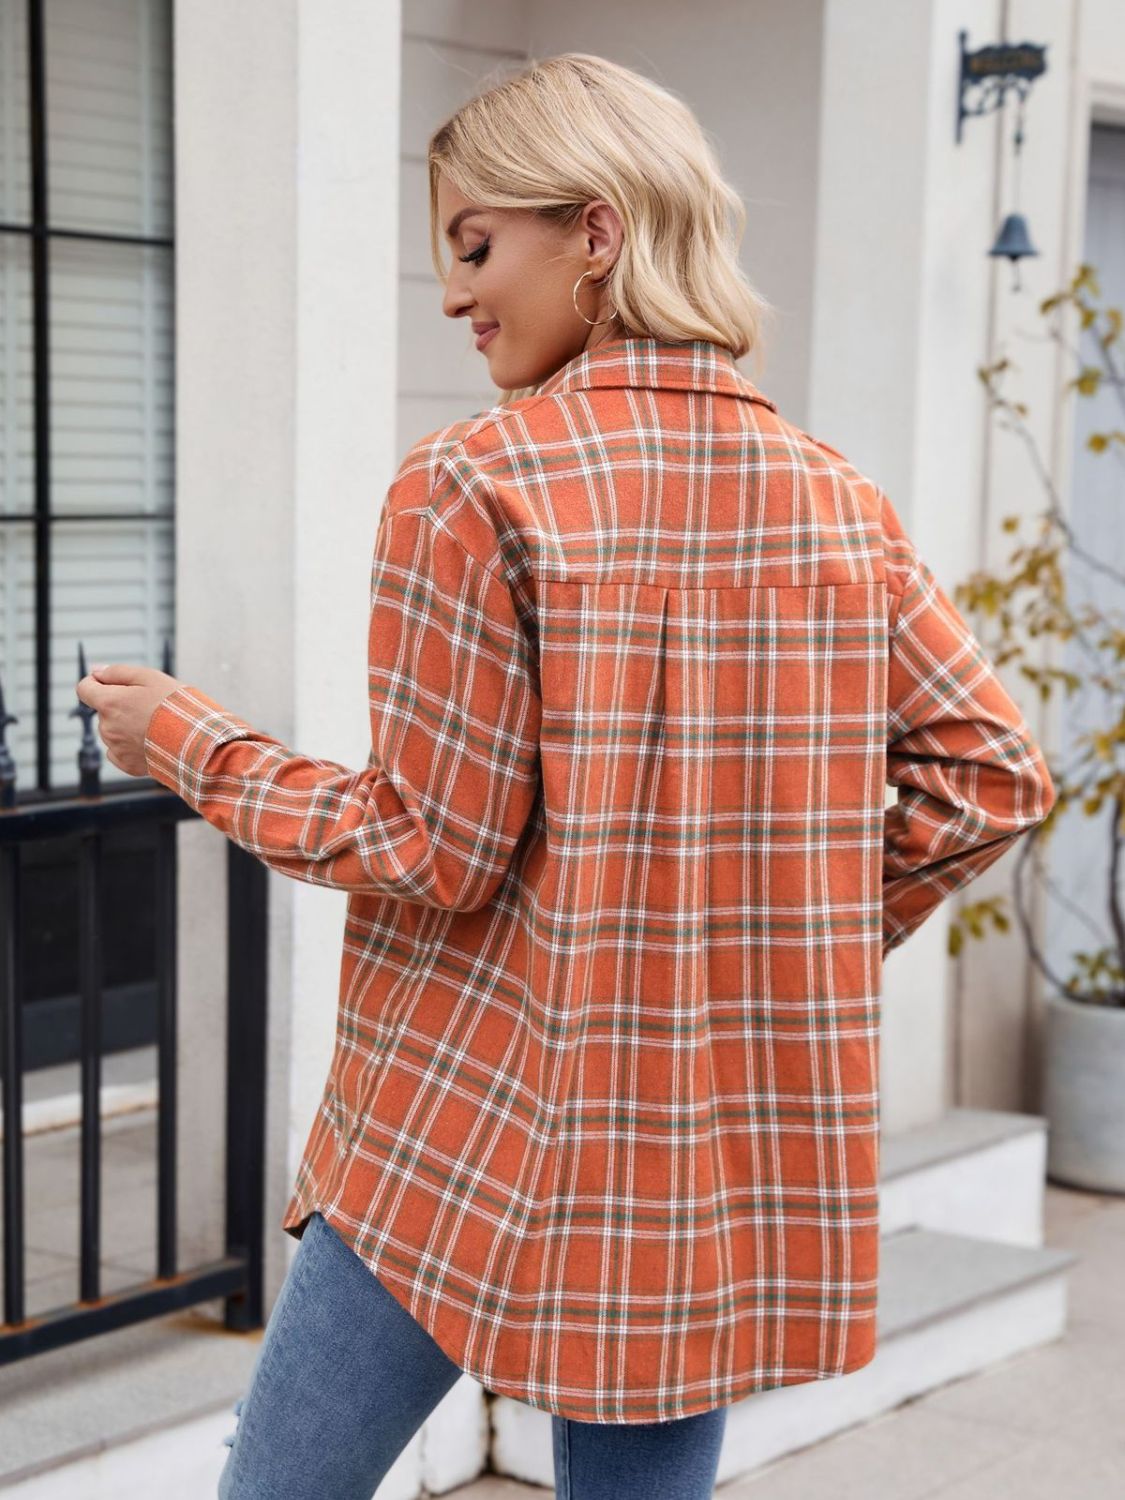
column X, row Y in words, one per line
column 505, row 380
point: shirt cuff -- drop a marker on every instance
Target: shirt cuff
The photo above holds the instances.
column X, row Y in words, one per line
column 184, row 728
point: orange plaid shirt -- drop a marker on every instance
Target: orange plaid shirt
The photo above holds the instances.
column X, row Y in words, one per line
column 602, row 1111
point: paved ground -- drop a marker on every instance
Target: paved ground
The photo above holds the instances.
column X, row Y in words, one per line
column 1045, row 1425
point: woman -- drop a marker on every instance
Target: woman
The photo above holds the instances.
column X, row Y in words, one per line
column 601, row 1124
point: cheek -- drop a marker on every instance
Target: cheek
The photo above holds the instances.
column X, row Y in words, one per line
column 533, row 295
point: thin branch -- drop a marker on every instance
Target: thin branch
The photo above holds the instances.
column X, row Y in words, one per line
column 1058, row 893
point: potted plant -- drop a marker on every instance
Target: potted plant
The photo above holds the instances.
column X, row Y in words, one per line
column 1084, row 1042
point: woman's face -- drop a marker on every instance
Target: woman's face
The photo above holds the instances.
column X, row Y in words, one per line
column 520, row 275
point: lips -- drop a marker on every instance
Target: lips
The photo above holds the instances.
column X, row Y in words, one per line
column 486, row 335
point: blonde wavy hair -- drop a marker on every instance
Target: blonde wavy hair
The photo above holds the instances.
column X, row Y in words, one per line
column 572, row 128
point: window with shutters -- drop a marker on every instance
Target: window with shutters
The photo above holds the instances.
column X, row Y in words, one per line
column 86, row 361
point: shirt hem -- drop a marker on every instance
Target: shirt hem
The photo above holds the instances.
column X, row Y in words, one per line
column 295, row 1221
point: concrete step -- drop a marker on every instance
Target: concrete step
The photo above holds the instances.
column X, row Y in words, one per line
column 65, row 1413
column 977, row 1172
column 949, row 1305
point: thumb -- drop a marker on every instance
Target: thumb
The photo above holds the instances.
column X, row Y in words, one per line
column 114, row 672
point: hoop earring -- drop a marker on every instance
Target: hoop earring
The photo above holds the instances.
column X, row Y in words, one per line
column 593, row 322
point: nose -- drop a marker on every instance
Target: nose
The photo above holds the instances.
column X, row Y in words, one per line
column 457, row 298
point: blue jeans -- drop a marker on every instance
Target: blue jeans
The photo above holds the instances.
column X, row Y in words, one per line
column 345, row 1377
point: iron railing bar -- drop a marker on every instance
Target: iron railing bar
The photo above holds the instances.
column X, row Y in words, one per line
column 11, row 1081
column 135, row 1304
column 90, row 991
column 165, row 938
column 247, row 991
column 71, row 815
column 41, row 380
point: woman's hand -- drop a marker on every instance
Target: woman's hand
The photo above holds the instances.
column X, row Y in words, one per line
column 125, row 697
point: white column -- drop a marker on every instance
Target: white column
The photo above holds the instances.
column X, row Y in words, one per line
column 287, row 129
column 872, row 378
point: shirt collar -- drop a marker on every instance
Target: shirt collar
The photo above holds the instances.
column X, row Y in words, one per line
column 636, row 360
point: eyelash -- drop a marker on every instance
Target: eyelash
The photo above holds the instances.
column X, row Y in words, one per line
column 478, row 254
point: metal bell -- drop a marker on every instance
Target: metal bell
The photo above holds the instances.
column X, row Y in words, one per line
column 1014, row 241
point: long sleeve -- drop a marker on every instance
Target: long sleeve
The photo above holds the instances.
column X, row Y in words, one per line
column 971, row 778
column 436, row 814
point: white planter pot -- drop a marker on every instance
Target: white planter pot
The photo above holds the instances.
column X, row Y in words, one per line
column 1084, row 1094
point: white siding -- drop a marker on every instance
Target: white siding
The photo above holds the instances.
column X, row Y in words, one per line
column 449, row 51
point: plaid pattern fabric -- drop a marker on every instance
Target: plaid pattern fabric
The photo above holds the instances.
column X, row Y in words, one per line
column 602, row 1111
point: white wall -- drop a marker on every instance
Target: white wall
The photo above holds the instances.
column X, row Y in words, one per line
column 450, row 49
column 751, row 72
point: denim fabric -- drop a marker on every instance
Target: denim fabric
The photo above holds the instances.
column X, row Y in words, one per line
column 675, row 1460
column 345, row 1377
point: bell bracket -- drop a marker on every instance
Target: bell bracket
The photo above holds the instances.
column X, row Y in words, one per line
column 991, row 71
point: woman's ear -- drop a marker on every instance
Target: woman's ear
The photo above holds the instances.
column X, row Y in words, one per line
column 604, row 232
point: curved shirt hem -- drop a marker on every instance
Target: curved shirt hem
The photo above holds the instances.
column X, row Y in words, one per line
column 301, row 1208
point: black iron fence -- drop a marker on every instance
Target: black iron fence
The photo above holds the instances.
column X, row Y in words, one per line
column 92, row 817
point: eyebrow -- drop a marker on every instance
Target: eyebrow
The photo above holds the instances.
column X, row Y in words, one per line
column 451, row 227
